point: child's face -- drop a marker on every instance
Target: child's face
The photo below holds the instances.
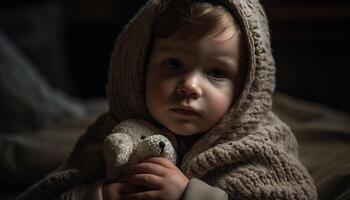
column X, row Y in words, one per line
column 191, row 84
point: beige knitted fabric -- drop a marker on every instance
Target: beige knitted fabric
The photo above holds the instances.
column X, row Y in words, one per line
column 250, row 153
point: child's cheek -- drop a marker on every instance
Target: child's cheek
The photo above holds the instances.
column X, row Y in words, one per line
column 159, row 90
column 219, row 101
column 167, row 88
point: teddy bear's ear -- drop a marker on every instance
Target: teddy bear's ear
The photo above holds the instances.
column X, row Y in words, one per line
column 117, row 149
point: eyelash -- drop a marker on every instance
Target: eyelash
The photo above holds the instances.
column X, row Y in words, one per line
column 221, row 75
column 167, row 63
column 179, row 67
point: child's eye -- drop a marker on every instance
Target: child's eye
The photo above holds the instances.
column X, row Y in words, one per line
column 173, row 64
column 217, row 73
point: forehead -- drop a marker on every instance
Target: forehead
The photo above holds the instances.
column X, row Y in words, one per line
column 225, row 32
column 223, row 29
column 227, row 43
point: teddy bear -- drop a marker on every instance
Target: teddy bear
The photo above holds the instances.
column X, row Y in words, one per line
column 133, row 141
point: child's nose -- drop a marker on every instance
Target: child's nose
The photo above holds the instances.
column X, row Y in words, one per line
column 190, row 87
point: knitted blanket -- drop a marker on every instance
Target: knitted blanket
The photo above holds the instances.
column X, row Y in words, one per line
column 250, row 153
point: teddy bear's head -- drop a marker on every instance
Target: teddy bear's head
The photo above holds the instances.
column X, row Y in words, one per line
column 130, row 143
column 151, row 146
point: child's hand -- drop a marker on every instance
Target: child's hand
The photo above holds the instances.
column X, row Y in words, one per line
column 112, row 191
column 162, row 178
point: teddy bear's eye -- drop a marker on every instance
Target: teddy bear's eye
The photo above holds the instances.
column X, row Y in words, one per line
column 143, row 137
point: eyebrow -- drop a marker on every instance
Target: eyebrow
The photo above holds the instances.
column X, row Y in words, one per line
column 223, row 60
column 168, row 48
column 173, row 50
column 227, row 64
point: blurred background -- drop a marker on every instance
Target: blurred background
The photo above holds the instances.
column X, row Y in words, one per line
column 70, row 43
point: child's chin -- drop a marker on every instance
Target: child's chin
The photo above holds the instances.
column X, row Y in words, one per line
column 185, row 132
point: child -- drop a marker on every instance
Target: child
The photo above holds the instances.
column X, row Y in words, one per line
column 204, row 71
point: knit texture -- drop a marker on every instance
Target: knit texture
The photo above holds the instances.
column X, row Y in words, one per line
column 250, row 153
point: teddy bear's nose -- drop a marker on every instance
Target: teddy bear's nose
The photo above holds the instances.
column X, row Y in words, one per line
column 162, row 145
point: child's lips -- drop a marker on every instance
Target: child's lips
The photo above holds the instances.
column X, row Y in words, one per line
column 185, row 111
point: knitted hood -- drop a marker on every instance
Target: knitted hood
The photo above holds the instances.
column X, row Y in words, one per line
column 126, row 86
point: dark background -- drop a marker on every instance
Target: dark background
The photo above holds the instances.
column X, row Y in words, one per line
column 70, row 43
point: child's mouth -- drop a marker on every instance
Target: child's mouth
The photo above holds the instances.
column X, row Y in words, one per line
column 185, row 111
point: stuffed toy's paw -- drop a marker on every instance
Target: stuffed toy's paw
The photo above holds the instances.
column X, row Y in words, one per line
column 133, row 141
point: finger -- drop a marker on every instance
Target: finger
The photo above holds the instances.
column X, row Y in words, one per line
column 148, row 168
column 130, row 188
column 154, row 194
column 111, row 191
column 114, row 180
column 147, row 180
column 111, row 181
column 160, row 161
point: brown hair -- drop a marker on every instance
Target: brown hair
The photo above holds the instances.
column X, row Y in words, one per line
column 194, row 20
